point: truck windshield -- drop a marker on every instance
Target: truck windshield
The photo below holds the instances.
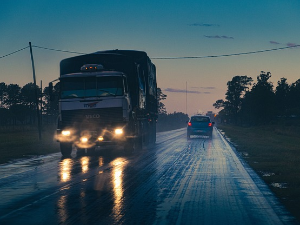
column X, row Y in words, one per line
column 82, row 87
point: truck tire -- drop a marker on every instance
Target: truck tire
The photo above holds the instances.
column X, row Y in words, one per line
column 65, row 149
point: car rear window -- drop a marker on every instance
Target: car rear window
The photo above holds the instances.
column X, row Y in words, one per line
column 200, row 119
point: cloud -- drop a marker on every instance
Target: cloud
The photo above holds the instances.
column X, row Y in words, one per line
column 184, row 91
column 292, row 45
column 204, row 87
column 218, row 37
column 204, row 25
column 288, row 44
column 274, row 42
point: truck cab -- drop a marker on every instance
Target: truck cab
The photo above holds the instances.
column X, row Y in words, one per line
column 103, row 101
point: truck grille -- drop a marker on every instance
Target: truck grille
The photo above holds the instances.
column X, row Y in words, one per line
column 92, row 117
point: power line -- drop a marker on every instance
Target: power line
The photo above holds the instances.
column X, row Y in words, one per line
column 59, row 50
column 180, row 57
column 226, row 55
column 187, row 57
column 13, row 52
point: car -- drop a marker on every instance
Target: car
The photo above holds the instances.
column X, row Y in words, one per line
column 199, row 125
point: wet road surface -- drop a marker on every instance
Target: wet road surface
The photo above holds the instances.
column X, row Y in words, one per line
column 177, row 181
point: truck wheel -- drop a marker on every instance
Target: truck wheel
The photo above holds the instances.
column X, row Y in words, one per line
column 66, row 149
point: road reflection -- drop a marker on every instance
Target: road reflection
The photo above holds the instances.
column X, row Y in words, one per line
column 62, row 210
column 102, row 188
column 117, row 181
column 65, row 169
column 84, row 164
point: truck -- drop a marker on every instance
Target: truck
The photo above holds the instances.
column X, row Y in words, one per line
column 107, row 98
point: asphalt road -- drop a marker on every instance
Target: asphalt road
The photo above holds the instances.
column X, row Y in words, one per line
column 177, row 181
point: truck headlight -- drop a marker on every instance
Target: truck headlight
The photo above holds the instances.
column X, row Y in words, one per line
column 100, row 138
column 66, row 133
column 84, row 139
column 118, row 131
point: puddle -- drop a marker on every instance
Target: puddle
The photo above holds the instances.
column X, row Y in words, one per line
column 279, row 185
column 244, row 154
column 266, row 174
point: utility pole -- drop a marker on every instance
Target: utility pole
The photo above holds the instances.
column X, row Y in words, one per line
column 41, row 103
column 186, row 98
column 36, row 94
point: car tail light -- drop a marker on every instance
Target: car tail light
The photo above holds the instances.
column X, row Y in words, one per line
column 189, row 124
column 209, row 124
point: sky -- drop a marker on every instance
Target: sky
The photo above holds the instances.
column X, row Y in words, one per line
column 167, row 31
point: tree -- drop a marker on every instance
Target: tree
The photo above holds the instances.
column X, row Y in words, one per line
column 219, row 104
column 50, row 104
column 3, row 90
column 259, row 104
column 236, row 89
column 294, row 99
column 12, row 95
column 172, row 121
column 28, row 96
column 282, row 97
column 161, row 106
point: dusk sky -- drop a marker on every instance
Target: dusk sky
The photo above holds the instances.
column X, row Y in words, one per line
column 162, row 29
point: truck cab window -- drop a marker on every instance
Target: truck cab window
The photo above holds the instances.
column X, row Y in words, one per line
column 90, row 87
column 110, row 86
column 72, row 88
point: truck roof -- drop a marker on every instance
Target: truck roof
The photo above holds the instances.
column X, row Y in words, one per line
column 110, row 61
column 137, row 56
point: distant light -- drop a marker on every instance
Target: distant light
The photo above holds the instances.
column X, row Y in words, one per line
column 100, row 138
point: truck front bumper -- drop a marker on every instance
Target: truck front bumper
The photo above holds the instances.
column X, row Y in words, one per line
column 88, row 139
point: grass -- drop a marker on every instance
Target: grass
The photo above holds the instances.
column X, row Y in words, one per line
column 273, row 151
column 19, row 143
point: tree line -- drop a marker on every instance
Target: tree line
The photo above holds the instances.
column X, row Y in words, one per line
column 168, row 121
column 258, row 103
column 18, row 104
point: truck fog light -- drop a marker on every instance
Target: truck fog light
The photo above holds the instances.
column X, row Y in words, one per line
column 66, row 133
column 100, row 138
column 118, row 131
column 84, row 139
